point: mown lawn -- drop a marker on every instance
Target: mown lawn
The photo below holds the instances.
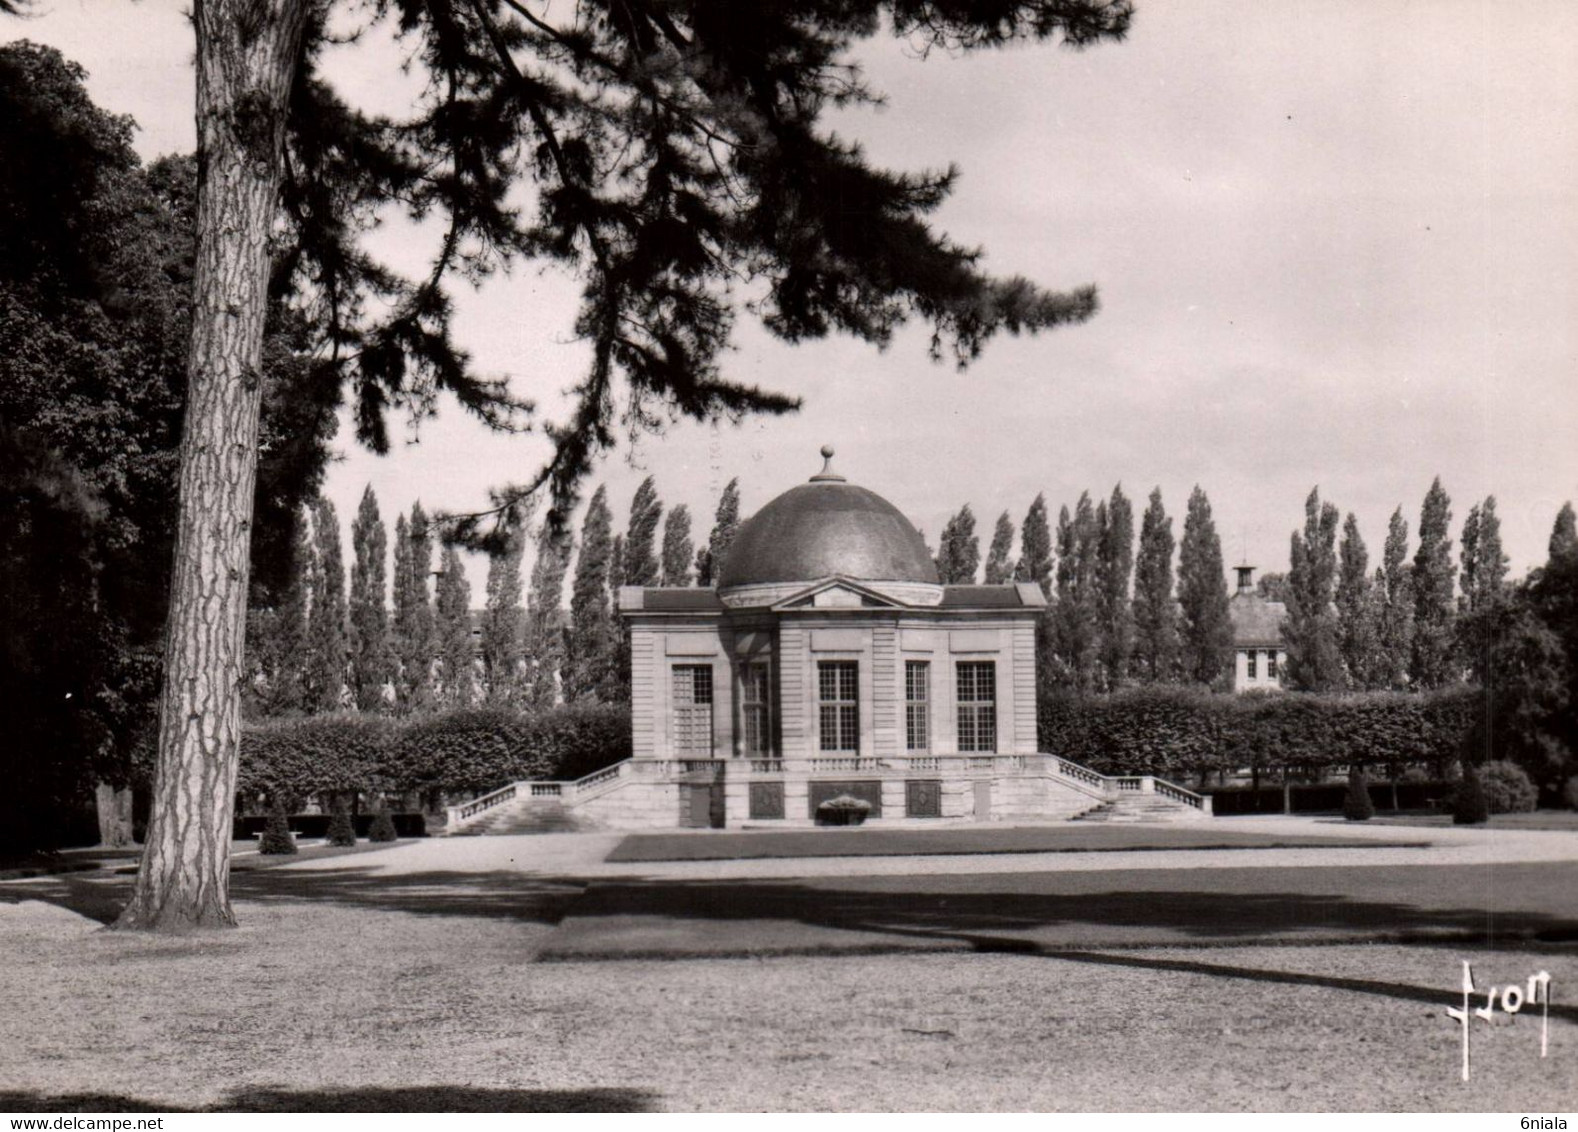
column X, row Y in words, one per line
column 423, row 992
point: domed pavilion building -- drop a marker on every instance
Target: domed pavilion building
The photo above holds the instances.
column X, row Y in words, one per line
column 829, row 662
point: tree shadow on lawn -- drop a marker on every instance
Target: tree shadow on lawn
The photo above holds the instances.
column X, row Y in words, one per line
column 1074, row 918
column 493, row 895
column 431, row 1098
column 1074, row 910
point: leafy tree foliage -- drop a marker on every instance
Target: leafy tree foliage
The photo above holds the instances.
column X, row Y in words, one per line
column 95, row 278
column 678, row 550
column 370, row 666
column 1205, row 630
column 1528, row 711
column 1359, row 608
column 589, row 661
column 278, row 646
column 1484, row 570
column 999, row 563
column 726, row 522
column 640, row 560
column 1115, row 567
column 1035, row 547
column 959, row 552
column 544, row 616
column 1564, row 535
column 1076, row 615
column 1310, row 632
column 504, row 623
column 1272, row 586
column 452, row 625
column 413, row 609
column 1395, row 623
column 1155, row 614
column 325, row 677
column 1432, row 581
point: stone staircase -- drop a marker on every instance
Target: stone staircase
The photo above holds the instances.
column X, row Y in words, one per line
column 1137, row 808
column 527, row 815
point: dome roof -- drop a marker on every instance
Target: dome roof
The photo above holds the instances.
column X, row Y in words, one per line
column 824, row 528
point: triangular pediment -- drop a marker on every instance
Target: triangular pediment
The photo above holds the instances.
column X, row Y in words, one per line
column 838, row 593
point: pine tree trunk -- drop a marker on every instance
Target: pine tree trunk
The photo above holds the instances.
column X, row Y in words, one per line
column 247, row 52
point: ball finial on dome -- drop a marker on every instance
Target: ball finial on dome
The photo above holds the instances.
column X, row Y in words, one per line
column 827, row 474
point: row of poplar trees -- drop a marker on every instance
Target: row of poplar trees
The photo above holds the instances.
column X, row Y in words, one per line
column 403, row 637
column 1115, row 615
column 1119, row 614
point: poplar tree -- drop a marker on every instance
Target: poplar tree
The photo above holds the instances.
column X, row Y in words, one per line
column 456, row 653
column 640, row 561
column 503, row 623
column 1563, row 544
column 588, row 671
column 413, row 611
column 959, row 551
column 370, row 655
column 1433, row 579
column 545, row 617
column 1115, row 568
column 726, row 522
column 1310, row 631
column 1480, row 621
column 1205, row 628
column 999, row 564
column 1484, row 565
column 326, row 614
column 282, row 660
column 1155, row 613
column 1035, row 547
column 1395, row 623
column 678, row 550
column 1076, row 616
column 1359, row 606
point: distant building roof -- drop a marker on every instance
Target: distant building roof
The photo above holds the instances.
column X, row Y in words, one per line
column 670, row 599
column 1257, row 623
column 1011, row 596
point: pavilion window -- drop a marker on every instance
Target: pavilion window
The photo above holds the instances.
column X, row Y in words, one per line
column 693, row 709
column 1253, row 660
column 756, row 715
column 977, row 687
column 1271, row 665
column 917, row 705
column 838, row 704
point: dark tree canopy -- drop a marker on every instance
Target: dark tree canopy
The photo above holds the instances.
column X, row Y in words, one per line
column 675, row 158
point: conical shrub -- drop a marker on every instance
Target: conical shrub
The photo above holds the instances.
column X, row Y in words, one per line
column 341, row 831
column 383, row 825
column 276, row 834
column 1469, row 806
column 1357, row 806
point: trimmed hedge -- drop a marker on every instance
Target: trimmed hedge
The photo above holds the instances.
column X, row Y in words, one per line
column 1179, row 732
column 317, row 825
column 457, row 752
column 1327, row 797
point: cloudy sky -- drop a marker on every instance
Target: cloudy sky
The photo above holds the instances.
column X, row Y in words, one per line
column 1336, row 244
